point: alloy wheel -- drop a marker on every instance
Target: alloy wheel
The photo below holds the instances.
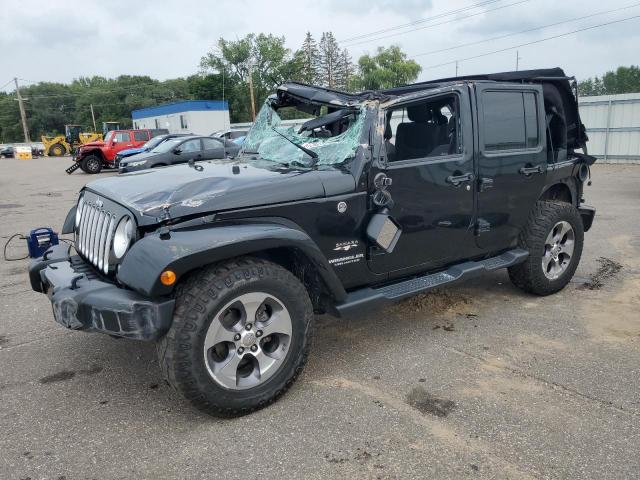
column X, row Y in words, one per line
column 558, row 250
column 247, row 341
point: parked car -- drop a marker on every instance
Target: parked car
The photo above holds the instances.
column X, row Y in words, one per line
column 180, row 150
column 93, row 156
column 231, row 133
column 389, row 194
column 6, row 151
column 150, row 145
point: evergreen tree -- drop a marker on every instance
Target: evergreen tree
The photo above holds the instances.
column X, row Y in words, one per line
column 328, row 60
column 345, row 72
column 308, row 56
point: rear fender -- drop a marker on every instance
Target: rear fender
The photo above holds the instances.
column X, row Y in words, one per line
column 185, row 250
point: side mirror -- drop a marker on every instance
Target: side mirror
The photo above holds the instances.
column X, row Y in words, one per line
column 177, row 151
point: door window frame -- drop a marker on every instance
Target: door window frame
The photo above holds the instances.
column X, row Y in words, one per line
column 385, row 164
column 512, row 151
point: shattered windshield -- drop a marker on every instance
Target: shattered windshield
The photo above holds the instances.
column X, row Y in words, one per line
column 333, row 142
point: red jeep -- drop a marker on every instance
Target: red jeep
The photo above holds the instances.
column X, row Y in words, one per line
column 92, row 156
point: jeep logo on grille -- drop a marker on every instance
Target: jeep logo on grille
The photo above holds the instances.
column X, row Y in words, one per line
column 99, row 203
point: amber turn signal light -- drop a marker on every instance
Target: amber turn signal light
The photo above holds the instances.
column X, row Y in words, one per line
column 168, row 278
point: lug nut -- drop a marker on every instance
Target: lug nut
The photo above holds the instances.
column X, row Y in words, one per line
column 254, row 347
column 259, row 333
column 248, row 326
column 240, row 350
column 236, row 337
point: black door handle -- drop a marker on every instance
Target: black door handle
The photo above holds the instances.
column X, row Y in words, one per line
column 456, row 180
column 529, row 170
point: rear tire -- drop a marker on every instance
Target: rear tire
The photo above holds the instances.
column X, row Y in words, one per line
column 57, row 150
column 240, row 336
column 554, row 238
column 91, row 164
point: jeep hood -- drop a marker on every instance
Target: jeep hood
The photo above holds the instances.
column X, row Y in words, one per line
column 211, row 186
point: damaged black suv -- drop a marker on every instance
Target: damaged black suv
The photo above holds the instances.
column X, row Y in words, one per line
column 371, row 198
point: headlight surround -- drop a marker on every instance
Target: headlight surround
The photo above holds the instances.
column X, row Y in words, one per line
column 79, row 210
column 122, row 237
column 136, row 164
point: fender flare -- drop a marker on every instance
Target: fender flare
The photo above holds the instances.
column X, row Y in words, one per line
column 187, row 249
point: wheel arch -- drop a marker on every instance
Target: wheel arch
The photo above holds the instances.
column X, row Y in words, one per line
column 562, row 191
column 187, row 250
column 94, row 151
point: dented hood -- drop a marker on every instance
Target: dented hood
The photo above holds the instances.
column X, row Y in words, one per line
column 211, row 186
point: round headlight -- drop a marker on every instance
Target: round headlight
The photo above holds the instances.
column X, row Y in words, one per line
column 79, row 210
column 123, row 236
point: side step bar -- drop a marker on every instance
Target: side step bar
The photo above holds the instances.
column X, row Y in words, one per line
column 379, row 296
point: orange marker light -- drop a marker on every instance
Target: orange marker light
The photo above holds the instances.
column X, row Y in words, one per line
column 168, row 278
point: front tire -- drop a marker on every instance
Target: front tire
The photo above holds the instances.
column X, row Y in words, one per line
column 91, row 164
column 240, row 336
column 57, row 150
column 554, row 237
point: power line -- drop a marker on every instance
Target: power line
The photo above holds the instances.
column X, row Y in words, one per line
column 534, row 41
column 457, row 19
column 6, row 84
column 417, row 22
column 431, row 52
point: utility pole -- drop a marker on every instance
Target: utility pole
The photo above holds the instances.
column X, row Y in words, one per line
column 253, row 101
column 518, row 57
column 456, row 68
column 23, row 115
column 93, row 117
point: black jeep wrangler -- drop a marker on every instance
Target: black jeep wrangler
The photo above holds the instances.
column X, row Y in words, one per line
column 372, row 198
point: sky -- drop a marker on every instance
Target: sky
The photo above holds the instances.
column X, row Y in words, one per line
column 63, row 39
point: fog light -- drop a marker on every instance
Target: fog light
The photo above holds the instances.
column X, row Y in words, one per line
column 168, row 278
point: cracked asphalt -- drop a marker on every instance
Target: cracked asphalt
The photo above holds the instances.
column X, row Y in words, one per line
column 478, row 380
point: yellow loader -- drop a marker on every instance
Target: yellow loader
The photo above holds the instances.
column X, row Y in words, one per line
column 58, row 145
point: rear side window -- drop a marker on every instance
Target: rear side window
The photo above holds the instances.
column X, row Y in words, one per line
column 510, row 120
column 140, row 136
column 211, row 143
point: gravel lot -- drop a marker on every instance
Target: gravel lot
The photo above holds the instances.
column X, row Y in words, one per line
column 479, row 380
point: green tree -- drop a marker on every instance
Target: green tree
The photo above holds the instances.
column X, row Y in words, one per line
column 328, row 60
column 623, row 80
column 308, row 58
column 388, row 68
column 345, row 72
column 269, row 61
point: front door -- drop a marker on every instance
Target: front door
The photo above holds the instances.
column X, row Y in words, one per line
column 189, row 150
column 428, row 154
column 511, row 161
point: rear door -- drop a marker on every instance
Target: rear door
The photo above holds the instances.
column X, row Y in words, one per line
column 140, row 137
column 512, row 160
column 212, row 148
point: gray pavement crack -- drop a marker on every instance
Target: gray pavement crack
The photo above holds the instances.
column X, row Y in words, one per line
column 548, row 383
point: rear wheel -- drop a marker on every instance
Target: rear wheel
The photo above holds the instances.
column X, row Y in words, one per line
column 57, row 150
column 240, row 336
column 91, row 164
column 554, row 238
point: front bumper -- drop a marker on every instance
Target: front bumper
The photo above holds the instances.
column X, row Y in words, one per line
column 83, row 300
